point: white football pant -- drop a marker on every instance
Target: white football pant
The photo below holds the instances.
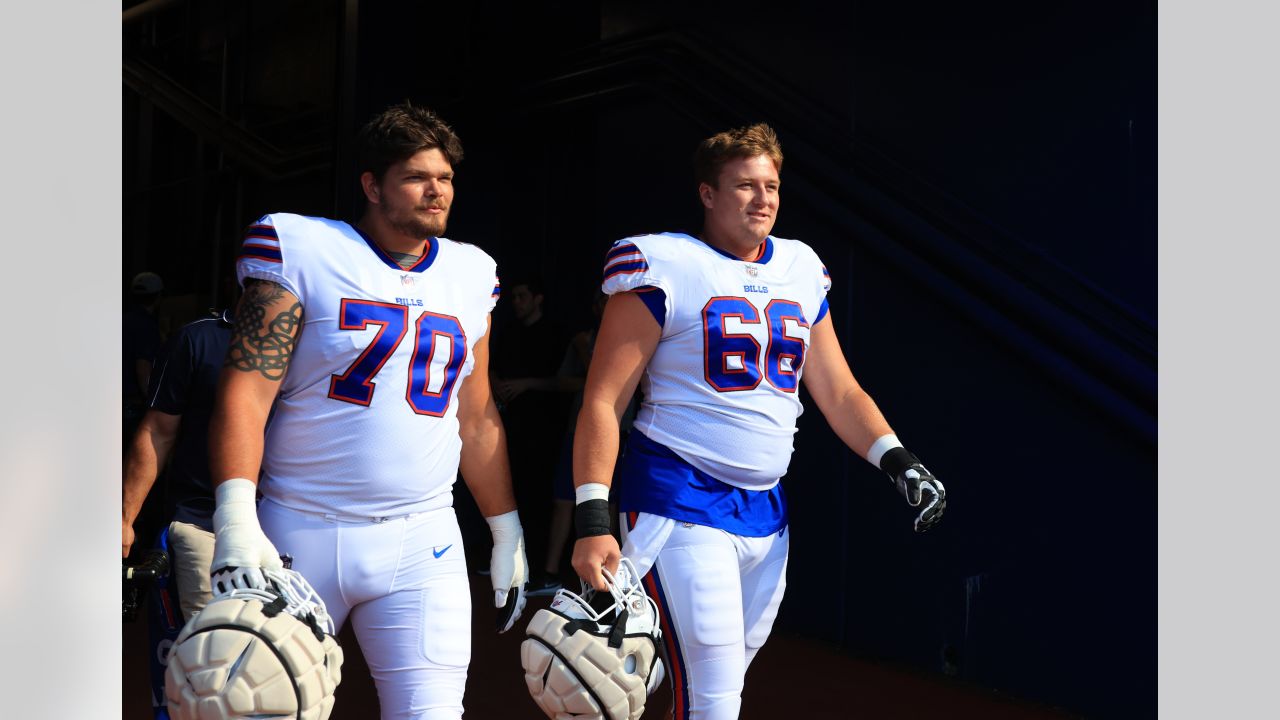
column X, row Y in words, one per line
column 403, row 581
column 718, row 595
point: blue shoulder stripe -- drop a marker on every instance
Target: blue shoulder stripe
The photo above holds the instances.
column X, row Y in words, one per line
column 626, row 268
column 254, row 251
column 623, row 249
column 263, row 231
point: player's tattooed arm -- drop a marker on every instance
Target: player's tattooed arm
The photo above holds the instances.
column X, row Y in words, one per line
column 266, row 327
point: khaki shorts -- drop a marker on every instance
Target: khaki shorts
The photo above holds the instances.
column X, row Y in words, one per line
column 191, row 549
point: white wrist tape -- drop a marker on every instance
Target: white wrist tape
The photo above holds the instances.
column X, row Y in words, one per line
column 508, row 567
column 882, row 445
column 505, row 526
column 236, row 502
column 241, row 551
column 591, row 491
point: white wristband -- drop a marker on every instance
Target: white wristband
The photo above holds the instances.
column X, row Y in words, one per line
column 591, row 491
column 882, row 445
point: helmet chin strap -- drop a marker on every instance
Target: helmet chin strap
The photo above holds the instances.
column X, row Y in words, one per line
column 292, row 593
column 619, row 630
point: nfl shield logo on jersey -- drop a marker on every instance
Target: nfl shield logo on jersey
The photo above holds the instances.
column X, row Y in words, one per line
column 407, row 280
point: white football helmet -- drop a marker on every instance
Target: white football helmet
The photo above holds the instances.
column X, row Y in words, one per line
column 256, row 654
column 595, row 656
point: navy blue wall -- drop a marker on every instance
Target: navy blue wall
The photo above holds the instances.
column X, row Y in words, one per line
column 1034, row 124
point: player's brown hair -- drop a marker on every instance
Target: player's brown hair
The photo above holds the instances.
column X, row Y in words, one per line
column 743, row 142
column 400, row 132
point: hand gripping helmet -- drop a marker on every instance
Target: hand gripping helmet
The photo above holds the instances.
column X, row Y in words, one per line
column 256, row 654
column 594, row 656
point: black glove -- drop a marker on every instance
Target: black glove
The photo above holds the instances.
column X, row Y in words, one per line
column 917, row 485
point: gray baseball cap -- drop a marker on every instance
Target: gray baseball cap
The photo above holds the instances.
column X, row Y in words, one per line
column 146, row 283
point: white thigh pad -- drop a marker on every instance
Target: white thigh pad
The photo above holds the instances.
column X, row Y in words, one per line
column 446, row 625
column 717, row 603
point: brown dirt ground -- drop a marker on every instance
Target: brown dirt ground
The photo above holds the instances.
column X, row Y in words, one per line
column 819, row 680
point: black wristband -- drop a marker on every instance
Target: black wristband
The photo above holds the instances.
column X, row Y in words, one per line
column 592, row 518
column 896, row 461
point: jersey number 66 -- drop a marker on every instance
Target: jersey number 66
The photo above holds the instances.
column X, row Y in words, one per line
column 731, row 360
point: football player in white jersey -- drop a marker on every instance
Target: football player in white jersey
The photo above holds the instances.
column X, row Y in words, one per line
column 362, row 351
column 719, row 330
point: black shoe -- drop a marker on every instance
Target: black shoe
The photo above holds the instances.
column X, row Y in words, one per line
column 543, row 586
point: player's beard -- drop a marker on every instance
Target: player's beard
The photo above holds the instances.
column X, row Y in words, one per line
column 414, row 225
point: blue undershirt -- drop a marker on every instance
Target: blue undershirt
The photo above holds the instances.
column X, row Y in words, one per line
column 655, row 480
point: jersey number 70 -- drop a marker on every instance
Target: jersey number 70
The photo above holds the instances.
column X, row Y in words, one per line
column 433, row 333
column 731, row 361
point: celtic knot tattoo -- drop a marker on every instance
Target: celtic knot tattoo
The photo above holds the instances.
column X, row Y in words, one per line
column 261, row 345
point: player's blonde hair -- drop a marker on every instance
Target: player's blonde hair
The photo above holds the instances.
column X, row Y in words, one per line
column 743, row 142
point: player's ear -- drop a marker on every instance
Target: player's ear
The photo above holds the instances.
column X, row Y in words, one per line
column 705, row 194
column 369, row 183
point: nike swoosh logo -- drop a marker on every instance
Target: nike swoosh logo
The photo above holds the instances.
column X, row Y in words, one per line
column 438, row 553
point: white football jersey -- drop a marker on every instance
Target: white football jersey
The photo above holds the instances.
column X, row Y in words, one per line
column 366, row 420
column 721, row 388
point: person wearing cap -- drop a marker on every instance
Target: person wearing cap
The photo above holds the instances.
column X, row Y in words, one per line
column 142, row 341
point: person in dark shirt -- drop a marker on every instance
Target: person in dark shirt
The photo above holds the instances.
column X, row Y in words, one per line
column 572, row 376
column 524, row 367
column 141, row 342
column 528, row 352
column 175, row 429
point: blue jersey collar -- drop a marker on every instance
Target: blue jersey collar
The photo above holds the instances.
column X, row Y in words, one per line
column 766, row 250
column 424, row 262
